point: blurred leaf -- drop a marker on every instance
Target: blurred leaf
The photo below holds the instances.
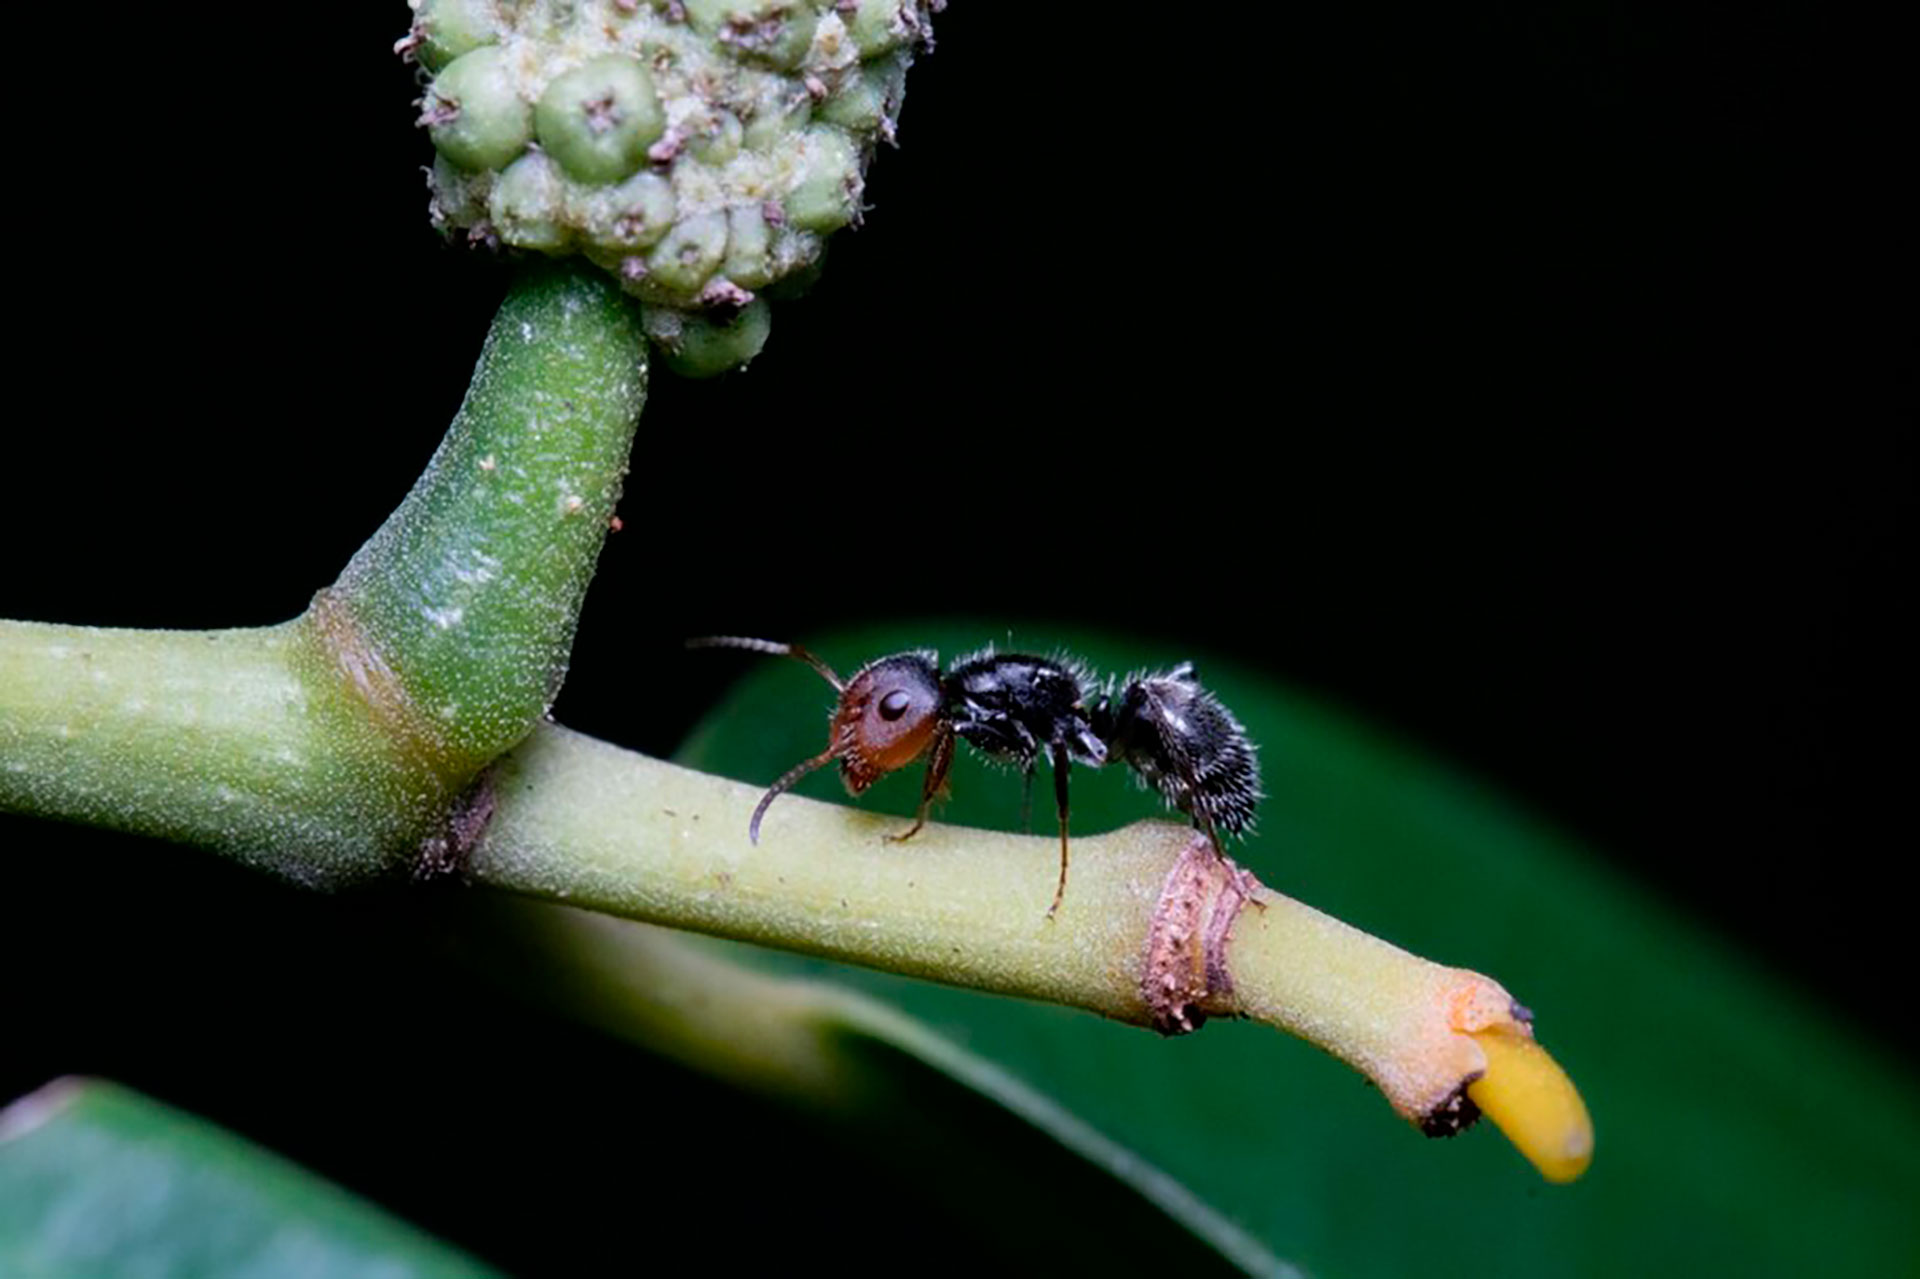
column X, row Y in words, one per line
column 1032, row 1186
column 1740, row 1131
column 100, row 1181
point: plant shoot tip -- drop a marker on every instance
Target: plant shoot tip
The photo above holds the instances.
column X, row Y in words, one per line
column 1531, row 1100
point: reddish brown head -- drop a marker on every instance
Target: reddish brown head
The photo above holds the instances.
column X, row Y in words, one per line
column 889, row 714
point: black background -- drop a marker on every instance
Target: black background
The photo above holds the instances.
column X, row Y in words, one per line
column 1517, row 377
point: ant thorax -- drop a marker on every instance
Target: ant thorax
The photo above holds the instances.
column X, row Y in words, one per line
column 1015, row 707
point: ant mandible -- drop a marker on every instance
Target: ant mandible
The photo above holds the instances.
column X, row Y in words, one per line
column 1175, row 735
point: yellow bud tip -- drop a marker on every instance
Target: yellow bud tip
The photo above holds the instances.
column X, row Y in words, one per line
column 1531, row 1100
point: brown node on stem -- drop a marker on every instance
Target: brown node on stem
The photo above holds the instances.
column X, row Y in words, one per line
column 445, row 851
column 1184, row 976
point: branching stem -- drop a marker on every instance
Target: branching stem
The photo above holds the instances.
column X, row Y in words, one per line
column 350, row 742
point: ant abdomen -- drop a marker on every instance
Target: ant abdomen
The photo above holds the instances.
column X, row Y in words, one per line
column 1180, row 741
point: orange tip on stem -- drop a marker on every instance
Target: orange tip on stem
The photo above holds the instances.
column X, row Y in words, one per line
column 1532, row 1101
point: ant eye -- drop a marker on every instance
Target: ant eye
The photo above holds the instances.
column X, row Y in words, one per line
column 895, row 704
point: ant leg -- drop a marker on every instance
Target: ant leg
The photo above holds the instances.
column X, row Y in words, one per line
column 1239, row 880
column 1060, row 799
column 939, row 759
column 1026, row 799
column 1204, row 824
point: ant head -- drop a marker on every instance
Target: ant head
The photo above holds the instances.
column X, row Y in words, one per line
column 889, row 713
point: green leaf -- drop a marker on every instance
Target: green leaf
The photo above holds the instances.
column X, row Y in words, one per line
column 1739, row 1130
column 100, row 1181
column 1029, row 1182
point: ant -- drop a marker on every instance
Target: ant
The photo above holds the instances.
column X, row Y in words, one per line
column 1013, row 707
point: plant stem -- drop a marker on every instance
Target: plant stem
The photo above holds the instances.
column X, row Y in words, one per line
column 457, row 616
column 582, row 822
column 330, row 747
column 231, row 740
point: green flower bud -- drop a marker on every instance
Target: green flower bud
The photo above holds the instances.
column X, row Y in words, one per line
column 869, row 102
column 798, row 282
column 777, row 33
column 749, row 260
column 881, row 26
column 527, row 207
column 691, row 252
column 719, row 141
column 598, row 119
column 696, row 346
column 475, row 114
column 630, row 216
column 775, row 117
column 447, row 29
column 459, row 197
column 826, row 194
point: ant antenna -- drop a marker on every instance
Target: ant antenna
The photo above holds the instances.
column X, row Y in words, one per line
column 784, row 785
column 776, row 649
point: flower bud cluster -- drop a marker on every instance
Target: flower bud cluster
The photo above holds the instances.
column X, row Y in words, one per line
column 699, row 150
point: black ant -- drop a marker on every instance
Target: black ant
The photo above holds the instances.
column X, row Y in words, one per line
column 1176, row 736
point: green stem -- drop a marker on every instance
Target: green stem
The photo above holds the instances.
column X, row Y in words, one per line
column 329, row 747
column 232, row 740
column 470, row 593
column 579, row 821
